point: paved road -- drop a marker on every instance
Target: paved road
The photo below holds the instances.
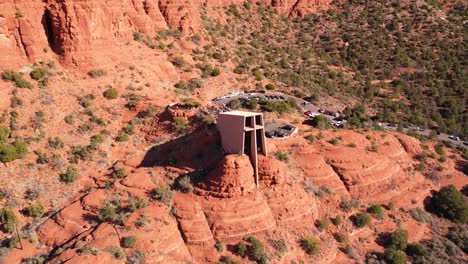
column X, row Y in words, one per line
column 307, row 106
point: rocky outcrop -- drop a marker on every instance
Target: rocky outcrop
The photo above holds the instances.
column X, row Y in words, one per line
column 85, row 32
column 233, row 177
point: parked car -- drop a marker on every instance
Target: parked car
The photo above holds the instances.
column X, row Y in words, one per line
column 453, row 137
column 308, row 113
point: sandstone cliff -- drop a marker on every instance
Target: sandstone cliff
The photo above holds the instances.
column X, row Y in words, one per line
column 84, row 33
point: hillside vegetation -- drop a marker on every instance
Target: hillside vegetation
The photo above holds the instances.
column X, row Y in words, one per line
column 403, row 60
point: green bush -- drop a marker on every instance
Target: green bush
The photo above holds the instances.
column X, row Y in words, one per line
column 459, row 235
column 116, row 252
column 17, row 150
column 179, row 125
column 184, row 184
column 111, row 93
column 320, row 122
column 415, row 250
column 323, row 224
column 129, row 242
column 241, row 249
column 35, row 209
column 450, row 203
column 256, row 250
column 398, row 240
column 17, row 79
column 361, row 219
column 279, row 245
column 376, row 210
column 9, row 219
column 162, row 194
column 4, row 134
column 70, row 175
column 281, row 155
column 38, row 73
column 119, row 173
column 310, row 245
column 393, row 256
column 270, row 86
column 220, row 247
column 227, row 260
column 107, row 213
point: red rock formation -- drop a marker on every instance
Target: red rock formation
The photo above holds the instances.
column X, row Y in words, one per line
column 233, row 177
column 270, row 171
column 84, row 32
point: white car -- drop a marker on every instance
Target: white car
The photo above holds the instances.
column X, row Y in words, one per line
column 452, row 137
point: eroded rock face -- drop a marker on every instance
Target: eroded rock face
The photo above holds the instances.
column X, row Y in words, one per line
column 85, row 32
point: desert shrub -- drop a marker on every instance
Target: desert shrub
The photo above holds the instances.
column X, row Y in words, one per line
column 111, row 93
column 97, row 73
column 179, row 125
column 270, row 86
column 393, row 256
column 281, row 156
column 22, row 83
column 129, row 242
column 420, row 215
column 352, row 145
column 234, row 104
column 280, row 107
column 376, row 210
column 122, row 137
column 227, row 260
column 55, row 143
column 35, row 209
column 438, row 250
column 17, row 79
column 450, row 203
column 310, row 245
column 337, row 220
column 190, row 103
column 391, row 206
column 459, row 235
column 398, row 240
column 256, row 250
column 70, row 175
column 107, row 213
column 241, row 249
column 439, row 149
column 334, row 141
column 310, row 138
column 38, row 73
column 349, row 205
column 17, row 150
column 9, row 219
column 361, row 219
column 323, row 224
column 220, row 247
column 415, row 250
column 116, row 252
column 179, row 62
column 7, row 153
column 136, row 204
column 184, row 184
column 4, row 134
column 320, row 122
column 69, row 119
column 279, row 245
column 342, row 237
column 162, row 194
column 119, row 173
column 97, row 139
column 42, row 158
column 32, row 193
